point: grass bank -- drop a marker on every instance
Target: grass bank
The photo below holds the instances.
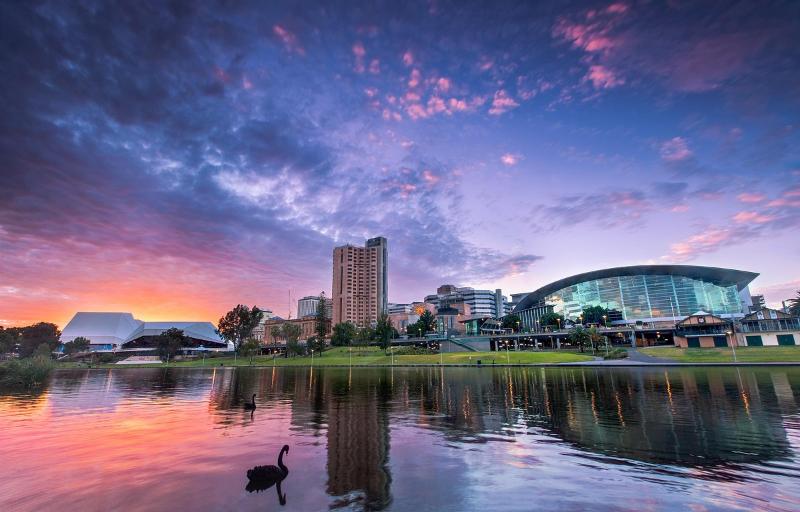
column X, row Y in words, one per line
column 341, row 356
column 24, row 373
column 725, row 355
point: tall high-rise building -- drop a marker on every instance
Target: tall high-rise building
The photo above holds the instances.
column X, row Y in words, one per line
column 360, row 282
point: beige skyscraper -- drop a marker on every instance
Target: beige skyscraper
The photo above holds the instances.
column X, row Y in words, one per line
column 360, row 284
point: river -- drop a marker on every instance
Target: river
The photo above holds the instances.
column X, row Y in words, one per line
column 420, row 439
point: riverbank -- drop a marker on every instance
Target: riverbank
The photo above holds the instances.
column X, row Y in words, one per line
column 24, row 373
column 725, row 355
column 342, row 356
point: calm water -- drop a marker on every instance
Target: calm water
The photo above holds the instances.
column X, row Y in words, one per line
column 406, row 439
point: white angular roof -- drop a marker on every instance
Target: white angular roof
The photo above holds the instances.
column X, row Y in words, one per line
column 199, row 330
column 100, row 328
column 120, row 328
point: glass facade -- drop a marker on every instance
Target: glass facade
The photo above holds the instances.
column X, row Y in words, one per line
column 646, row 297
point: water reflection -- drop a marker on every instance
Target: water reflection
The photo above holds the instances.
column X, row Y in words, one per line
column 430, row 438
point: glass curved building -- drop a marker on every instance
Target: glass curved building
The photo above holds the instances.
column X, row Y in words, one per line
column 647, row 293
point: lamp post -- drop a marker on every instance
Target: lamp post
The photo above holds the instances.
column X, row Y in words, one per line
column 312, row 357
column 604, row 321
column 732, row 334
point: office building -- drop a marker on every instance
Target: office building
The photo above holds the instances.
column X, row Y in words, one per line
column 307, row 306
column 360, row 282
column 481, row 302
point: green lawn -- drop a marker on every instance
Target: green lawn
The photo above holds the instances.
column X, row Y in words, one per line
column 725, row 355
column 341, row 356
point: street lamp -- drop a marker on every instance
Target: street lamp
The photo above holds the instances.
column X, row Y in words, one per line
column 732, row 334
column 312, row 357
column 604, row 321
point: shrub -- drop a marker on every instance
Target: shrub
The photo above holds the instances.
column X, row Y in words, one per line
column 25, row 373
column 413, row 351
column 617, row 353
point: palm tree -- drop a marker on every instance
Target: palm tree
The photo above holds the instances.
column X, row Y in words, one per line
column 794, row 308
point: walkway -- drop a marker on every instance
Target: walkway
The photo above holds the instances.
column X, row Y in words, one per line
column 639, row 357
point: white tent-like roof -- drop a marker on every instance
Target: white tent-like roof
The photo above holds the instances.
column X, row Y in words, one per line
column 120, row 328
column 101, row 328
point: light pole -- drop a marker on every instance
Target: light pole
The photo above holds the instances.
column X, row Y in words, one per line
column 732, row 334
column 312, row 357
column 508, row 358
column 604, row 322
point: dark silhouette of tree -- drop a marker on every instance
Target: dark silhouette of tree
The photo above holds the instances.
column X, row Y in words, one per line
column 579, row 336
column 343, row 334
column 794, row 307
column 237, row 325
column 321, row 326
column 79, row 344
column 32, row 336
column 594, row 315
column 169, row 342
column 383, row 331
column 511, row 322
column 552, row 319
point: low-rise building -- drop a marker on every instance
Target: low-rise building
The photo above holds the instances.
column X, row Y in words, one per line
column 768, row 327
column 308, row 328
column 704, row 330
column 111, row 332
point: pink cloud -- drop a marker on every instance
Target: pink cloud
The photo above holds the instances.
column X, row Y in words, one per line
column 411, row 96
column 288, row 39
column 748, row 197
column 709, row 241
column 602, row 77
column 510, row 159
column 485, row 64
column 436, row 105
column 430, row 177
column 675, row 150
column 414, row 80
column 458, row 105
column 359, row 52
column 502, row 103
column 375, row 66
column 408, row 58
column 246, row 83
column 443, row 84
column 416, row 111
column 752, row 217
column 680, row 208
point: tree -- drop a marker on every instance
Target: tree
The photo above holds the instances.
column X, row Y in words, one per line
column 595, row 315
column 511, row 322
column 551, row 319
column 169, row 342
column 579, row 336
column 79, row 344
column 237, row 325
column 316, row 344
column 794, row 307
column 427, row 321
column 595, row 337
column 291, row 333
column 364, row 336
column 321, row 327
column 250, row 348
column 43, row 351
column 32, row 336
column 343, row 334
column 8, row 339
column 276, row 332
column 384, row 331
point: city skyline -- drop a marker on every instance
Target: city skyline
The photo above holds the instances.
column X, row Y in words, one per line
column 176, row 162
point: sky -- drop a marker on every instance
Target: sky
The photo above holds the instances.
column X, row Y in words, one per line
column 174, row 159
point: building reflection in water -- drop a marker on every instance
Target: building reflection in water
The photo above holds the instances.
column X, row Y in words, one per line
column 709, row 422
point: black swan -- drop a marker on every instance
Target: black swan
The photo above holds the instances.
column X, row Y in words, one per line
column 262, row 478
column 251, row 405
